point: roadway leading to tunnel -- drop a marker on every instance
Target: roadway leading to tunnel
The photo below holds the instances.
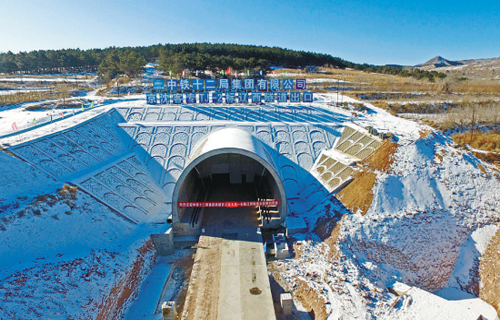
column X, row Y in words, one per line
column 229, row 278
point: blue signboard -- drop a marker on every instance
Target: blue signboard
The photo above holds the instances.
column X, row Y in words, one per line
column 248, row 84
column 294, row 96
column 178, row 98
column 269, row 97
column 171, row 84
column 190, row 97
column 198, row 84
column 184, row 84
column 159, row 84
column 164, row 98
column 223, row 84
column 210, row 84
column 229, row 90
column 243, row 97
column 151, row 98
column 262, row 84
column 216, row 97
column 230, row 97
column 287, row 84
column 307, row 97
column 236, row 84
column 281, row 96
column 274, row 84
column 300, row 84
column 203, row 97
column 256, row 97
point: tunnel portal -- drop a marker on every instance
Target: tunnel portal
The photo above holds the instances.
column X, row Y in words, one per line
column 230, row 170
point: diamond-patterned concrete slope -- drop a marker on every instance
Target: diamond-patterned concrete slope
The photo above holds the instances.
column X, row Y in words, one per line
column 166, row 135
column 93, row 155
column 131, row 157
column 128, row 188
column 357, row 143
column 333, row 169
column 251, row 113
column 165, row 148
column 73, row 151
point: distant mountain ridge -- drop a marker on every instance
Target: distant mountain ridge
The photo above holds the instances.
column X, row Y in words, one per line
column 439, row 62
column 485, row 68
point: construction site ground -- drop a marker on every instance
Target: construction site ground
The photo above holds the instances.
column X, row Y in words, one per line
column 229, row 278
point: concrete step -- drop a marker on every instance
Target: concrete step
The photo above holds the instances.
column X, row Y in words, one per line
column 185, row 241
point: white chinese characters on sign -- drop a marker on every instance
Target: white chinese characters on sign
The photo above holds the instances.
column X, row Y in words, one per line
column 231, row 204
column 274, row 84
column 203, row 97
column 171, row 84
column 281, row 96
column 256, row 97
column 249, row 84
column 300, row 84
column 164, row 98
column 287, row 84
column 230, row 97
column 216, row 97
column 262, row 84
column 243, row 97
column 178, row 98
column 151, row 98
column 231, row 89
column 224, row 84
column 198, row 84
column 190, row 97
column 269, row 97
column 294, row 96
column 184, row 84
column 236, row 84
column 210, row 84
column 307, row 97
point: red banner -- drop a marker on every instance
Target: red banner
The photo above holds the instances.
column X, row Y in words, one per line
column 229, row 204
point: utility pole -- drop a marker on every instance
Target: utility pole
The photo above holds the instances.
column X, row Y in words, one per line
column 338, row 82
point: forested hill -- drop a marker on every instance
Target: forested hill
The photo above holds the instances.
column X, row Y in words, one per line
column 175, row 57
column 111, row 62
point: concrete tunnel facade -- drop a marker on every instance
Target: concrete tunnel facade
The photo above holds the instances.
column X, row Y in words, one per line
column 232, row 142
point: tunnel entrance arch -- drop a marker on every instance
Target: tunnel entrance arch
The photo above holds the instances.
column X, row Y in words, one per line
column 234, row 157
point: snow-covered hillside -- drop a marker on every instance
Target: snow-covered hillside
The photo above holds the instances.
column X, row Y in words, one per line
column 61, row 251
column 69, row 255
column 431, row 217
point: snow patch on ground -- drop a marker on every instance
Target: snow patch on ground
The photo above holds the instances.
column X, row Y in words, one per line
column 432, row 214
column 419, row 304
column 469, row 256
column 424, row 210
column 61, row 255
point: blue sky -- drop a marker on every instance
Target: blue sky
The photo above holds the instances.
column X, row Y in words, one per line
column 375, row 32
